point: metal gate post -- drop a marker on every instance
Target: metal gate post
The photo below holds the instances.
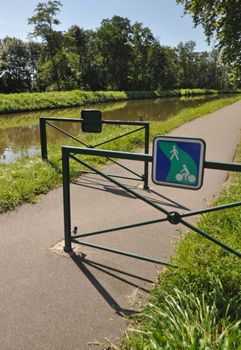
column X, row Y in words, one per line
column 43, row 138
column 66, row 197
column 146, row 168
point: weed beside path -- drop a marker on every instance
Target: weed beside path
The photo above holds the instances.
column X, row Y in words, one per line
column 23, row 180
column 198, row 306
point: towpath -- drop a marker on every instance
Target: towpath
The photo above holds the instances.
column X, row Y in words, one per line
column 50, row 301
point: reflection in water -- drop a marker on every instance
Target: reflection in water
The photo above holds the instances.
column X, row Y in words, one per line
column 18, row 142
column 9, row 154
column 19, row 133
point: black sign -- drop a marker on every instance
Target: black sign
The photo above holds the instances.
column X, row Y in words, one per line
column 91, row 120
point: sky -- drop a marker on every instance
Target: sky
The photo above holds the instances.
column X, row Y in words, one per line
column 164, row 17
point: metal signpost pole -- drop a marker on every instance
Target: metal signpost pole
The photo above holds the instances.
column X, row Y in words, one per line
column 43, row 138
column 146, row 166
column 66, row 198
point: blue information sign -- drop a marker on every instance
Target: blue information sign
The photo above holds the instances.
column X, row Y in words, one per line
column 178, row 162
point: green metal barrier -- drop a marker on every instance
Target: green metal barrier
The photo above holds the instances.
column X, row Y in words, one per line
column 172, row 217
column 141, row 125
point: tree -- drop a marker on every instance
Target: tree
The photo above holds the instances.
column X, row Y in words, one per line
column 77, row 42
column 142, row 40
column 114, row 46
column 34, row 53
column 15, row 65
column 221, row 20
column 171, row 78
column 187, row 64
column 156, row 67
column 44, row 21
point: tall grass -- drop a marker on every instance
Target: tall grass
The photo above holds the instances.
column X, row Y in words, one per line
column 183, row 320
column 198, row 306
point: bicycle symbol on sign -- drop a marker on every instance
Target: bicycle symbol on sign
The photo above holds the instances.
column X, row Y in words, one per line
column 185, row 175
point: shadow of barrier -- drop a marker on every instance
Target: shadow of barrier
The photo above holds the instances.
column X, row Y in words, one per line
column 91, row 122
column 173, row 217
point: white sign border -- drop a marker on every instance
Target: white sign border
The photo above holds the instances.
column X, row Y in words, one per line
column 178, row 139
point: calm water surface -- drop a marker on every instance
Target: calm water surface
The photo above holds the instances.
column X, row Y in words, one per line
column 19, row 133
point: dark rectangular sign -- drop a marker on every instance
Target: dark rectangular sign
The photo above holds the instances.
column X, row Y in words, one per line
column 91, row 120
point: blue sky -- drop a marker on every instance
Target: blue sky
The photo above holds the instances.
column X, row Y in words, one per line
column 163, row 17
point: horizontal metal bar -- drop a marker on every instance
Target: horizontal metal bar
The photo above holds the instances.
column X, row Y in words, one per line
column 119, row 228
column 208, row 210
column 135, row 194
column 145, row 157
column 108, row 153
column 117, row 137
column 66, row 133
column 114, row 122
column 121, row 122
column 223, row 166
column 121, row 252
column 210, row 238
column 61, row 119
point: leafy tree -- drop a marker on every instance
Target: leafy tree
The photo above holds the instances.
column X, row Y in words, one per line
column 78, row 51
column 171, row 76
column 114, row 46
column 186, row 57
column 34, row 53
column 157, row 66
column 44, row 20
column 221, row 20
column 15, row 65
column 142, row 40
column 117, row 56
column 95, row 75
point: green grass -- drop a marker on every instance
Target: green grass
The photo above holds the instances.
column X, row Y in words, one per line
column 25, row 179
column 198, row 306
column 49, row 100
column 22, row 102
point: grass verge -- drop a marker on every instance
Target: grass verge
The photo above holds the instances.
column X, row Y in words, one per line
column 198, row 306
column 23, row 180
column 22, row 102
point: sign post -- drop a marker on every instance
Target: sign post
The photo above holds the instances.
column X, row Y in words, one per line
column 178, row 162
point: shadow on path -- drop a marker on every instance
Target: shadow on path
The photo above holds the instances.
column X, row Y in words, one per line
column 96, row 183
column 83, row 264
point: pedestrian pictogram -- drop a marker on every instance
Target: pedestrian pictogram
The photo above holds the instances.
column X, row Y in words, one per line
column 174, row 153
column 178, row 162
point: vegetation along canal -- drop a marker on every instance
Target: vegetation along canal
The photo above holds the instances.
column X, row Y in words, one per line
column 19, row 133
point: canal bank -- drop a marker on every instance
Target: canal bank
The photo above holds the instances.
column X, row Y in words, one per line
column 12, row 103
column 19, row 132
column 25, row 179
column 56, row 302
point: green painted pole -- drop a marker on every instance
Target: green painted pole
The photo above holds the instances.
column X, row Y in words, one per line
column 209, row 210
column 43, row 138
column 121, row 252
column 146, row 168
column 210, row 238
column 66, row 201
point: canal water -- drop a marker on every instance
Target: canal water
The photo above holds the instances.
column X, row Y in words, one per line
column 19, row 133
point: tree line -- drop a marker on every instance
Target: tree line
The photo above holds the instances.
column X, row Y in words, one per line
column 118, row 55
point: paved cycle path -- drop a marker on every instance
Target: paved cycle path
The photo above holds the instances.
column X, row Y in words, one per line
column 49, row 300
